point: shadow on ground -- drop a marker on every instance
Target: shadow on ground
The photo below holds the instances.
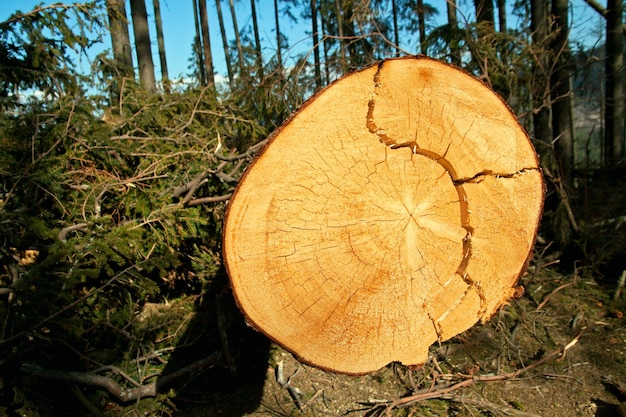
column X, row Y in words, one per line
column 233, row 384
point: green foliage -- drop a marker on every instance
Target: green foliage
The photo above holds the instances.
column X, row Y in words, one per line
column 34, row 47
column 117, row 204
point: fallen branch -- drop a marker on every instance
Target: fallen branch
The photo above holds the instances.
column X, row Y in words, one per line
column 123, row 394
column 206, row 200
column 547, row 297
column 252, row 150
column 441, row 390
column 80, row 227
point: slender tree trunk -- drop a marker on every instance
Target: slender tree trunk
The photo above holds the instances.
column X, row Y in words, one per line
column 257, row 41
column 160, row 42
column 342, row 41
column 197, row 42
column 229, row 65
column 614, row 116
column 396, row 32
column 316, row 49
column 349, row 32
column 142, row 44
column 206, row 43
column 484, row 17
column 120, row 39
column 279, row 41
column 502, row 15
column 326, row 44
column 421, row 21
column 540, row 84
column 562, row 130
column 455, row 53
column 242, row 66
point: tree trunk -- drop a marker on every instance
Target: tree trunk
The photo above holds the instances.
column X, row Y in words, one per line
column 614, row 132
column 326, row 44
column 540, row 85
column 349, row 32
column 279, row 40
column 396, row 32
column 242, row 65
column 120, row 39
column 206, row 43
column 229, row 65
column 455, row 53
column 316, row 47
column 354, row 243
column 342, row 42
column 142, row 44
column 484, row 17
column 561, row 92
column 422, row 26
column 257, row 41
column 197, row 42
column 160, row 42
column 502, row 16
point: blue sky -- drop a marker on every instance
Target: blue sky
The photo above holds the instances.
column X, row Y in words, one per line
column 178, row 28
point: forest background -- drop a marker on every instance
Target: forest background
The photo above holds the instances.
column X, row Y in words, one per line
column 113, row 185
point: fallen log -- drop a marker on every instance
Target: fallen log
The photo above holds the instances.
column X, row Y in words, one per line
column 398, row 207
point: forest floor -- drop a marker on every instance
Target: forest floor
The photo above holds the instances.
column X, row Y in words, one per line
column 558, row 351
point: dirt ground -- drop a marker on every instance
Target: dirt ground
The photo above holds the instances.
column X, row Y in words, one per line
column 556, row 352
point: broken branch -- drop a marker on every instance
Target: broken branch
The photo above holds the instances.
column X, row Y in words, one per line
column 122, row 394
column 470, row 380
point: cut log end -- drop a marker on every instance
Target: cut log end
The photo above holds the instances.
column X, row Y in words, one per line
column 396, row 208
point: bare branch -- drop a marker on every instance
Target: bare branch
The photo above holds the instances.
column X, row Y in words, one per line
column 252, row 150
column 206, row 200
column 81, row 227
column 123, row 394
column 440, row 391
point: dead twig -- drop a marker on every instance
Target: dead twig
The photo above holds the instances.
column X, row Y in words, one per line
column 547, row 297
column 80, row 227
column 252, row 150
column 123, row 394
column 441, row 390
column 206, row 200
column 620, row 286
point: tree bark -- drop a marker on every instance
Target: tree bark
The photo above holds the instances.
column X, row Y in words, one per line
column 279, row 40
column 316, row 48
column 142, row 44
column 455, row 53
column 614, row 131
column 422, row 26
column 160, row 42
column 484, row 17
column 342, row 41
column 561, row 93
column 396, row 32
column 326, row 44
column 229, row 66
column 120, row 38
column 206, row 43
column 257, row 41
column 242, row 65
column 502, row 16
column 541, row 71
column 372, row 223
column 198, row 45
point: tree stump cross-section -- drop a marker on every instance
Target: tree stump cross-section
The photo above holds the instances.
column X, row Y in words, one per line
column 398, row 207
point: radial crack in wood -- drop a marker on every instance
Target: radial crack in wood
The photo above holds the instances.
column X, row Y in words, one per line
column 396, row 208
